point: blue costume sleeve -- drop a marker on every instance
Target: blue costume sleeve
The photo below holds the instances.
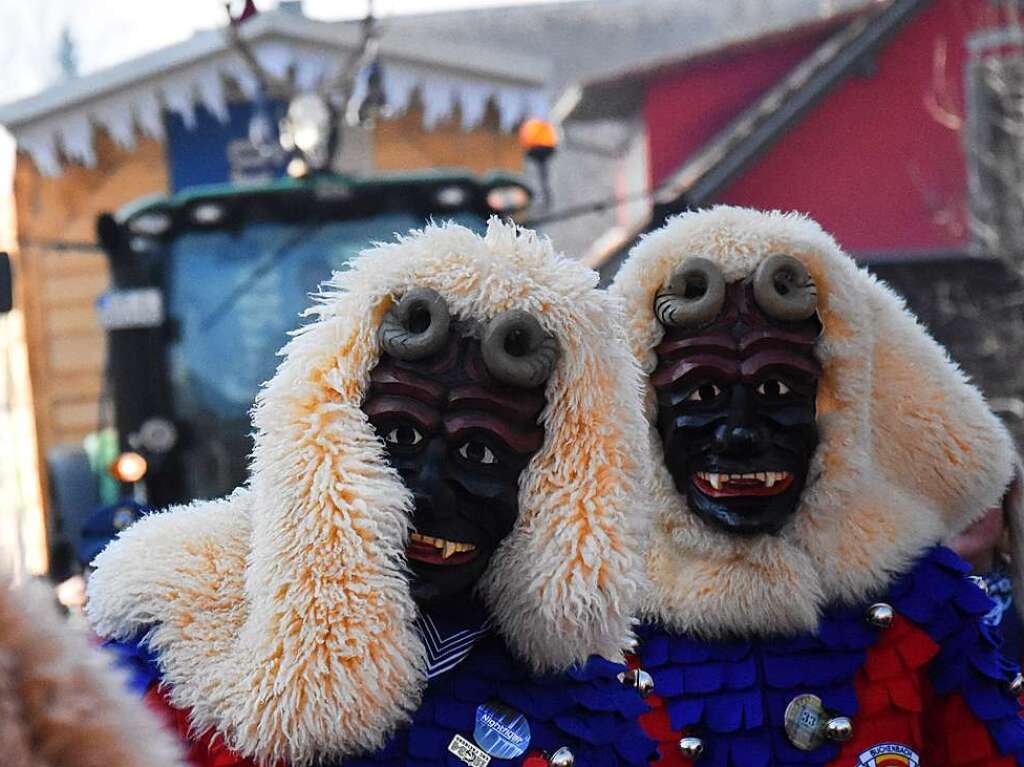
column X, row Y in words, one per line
column 949, row 607
column 138, row 660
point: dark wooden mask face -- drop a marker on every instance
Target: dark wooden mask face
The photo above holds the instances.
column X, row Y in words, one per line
column 460, row 441
column 736, row 414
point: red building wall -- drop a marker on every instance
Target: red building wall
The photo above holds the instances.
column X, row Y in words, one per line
column 687, row 107
column 879, row 162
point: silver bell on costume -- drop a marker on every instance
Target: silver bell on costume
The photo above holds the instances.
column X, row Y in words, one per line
column 691, row 747
column 562, row 758
column 839, row 729
column 881, row 615
column 639, row 680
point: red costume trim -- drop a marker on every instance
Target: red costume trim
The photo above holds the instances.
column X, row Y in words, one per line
column 204, row 751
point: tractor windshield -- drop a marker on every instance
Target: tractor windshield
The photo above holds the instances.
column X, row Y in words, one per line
column 231, row 298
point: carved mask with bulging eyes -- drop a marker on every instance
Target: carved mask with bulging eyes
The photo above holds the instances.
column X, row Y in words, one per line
column 457, row 406
column 736, row 383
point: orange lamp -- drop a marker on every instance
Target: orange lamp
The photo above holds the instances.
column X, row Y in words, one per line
column 538, row 138
column 129, row 467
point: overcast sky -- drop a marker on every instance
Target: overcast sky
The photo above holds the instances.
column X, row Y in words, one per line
column 109, row 31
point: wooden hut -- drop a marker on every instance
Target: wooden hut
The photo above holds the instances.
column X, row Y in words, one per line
column 180, row 116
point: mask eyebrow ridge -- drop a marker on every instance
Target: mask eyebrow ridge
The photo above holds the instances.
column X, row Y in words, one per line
column 404, row 382
column 713, row 343
column 757, row 364
column 512, row 404
column 757, row 340
column 425, row 415
column 713, row 365
column 518, row 440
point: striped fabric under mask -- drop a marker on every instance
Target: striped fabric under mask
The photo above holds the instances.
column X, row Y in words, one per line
column 446, row 646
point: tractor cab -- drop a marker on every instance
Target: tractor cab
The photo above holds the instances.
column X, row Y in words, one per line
column 207, row 285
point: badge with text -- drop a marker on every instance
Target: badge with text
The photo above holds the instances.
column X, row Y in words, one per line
column 468, row 753
column 888, row 755
column 805, row 722
column 501, row 731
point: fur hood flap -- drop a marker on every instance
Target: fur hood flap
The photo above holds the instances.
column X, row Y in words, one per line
column 909, row 452
column 282, row 614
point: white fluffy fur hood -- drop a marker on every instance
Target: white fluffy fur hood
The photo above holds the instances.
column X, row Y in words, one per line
column 282, row 615
column 909, row 451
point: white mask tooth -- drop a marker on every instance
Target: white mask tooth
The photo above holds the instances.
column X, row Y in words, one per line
column 715, row 480
column 770, row 479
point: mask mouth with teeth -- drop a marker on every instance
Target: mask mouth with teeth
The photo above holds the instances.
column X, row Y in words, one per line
column 456, row 405
column 736, row 382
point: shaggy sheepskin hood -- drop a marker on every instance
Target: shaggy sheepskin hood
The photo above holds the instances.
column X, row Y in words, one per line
column 62, row 703
column 282, row 614
column 909, row 452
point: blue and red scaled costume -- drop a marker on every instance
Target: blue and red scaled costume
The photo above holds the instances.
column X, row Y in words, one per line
column 587, row 710
column 934, row 683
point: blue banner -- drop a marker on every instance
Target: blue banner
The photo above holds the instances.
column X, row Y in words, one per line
column 212, row 152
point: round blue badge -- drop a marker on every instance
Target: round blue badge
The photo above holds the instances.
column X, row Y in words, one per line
column 501, row 731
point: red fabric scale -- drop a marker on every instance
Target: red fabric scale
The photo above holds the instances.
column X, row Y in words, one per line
column 535, row 759
column 956, row 738
column 893, row 693
column 898, row 705
column 657, row 727
column 205, row 751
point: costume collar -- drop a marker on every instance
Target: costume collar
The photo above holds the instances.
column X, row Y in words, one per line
column 447, row 642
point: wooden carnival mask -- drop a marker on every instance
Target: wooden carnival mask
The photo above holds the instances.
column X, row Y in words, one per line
column 736, row 382
column 457, row 405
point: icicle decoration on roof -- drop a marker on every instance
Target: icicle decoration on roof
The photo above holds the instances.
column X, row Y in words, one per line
column 65, row 134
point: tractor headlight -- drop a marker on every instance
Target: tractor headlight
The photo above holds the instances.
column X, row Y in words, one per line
column 508, row 198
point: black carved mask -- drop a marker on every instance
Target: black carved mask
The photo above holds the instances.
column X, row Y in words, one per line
column 459, row 437
column 736, row 404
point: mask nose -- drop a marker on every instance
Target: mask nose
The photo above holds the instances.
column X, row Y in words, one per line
column 736, row 440
column 428, row 486
column 739, row 436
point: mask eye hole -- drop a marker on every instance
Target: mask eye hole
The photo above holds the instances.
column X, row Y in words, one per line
column 403, row 436
column 477, row 452
column 706, row 392
column 772, row 389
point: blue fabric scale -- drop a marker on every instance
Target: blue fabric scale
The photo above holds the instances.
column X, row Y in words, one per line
column 733, row 694
column 588, row 710
column 137, row 660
